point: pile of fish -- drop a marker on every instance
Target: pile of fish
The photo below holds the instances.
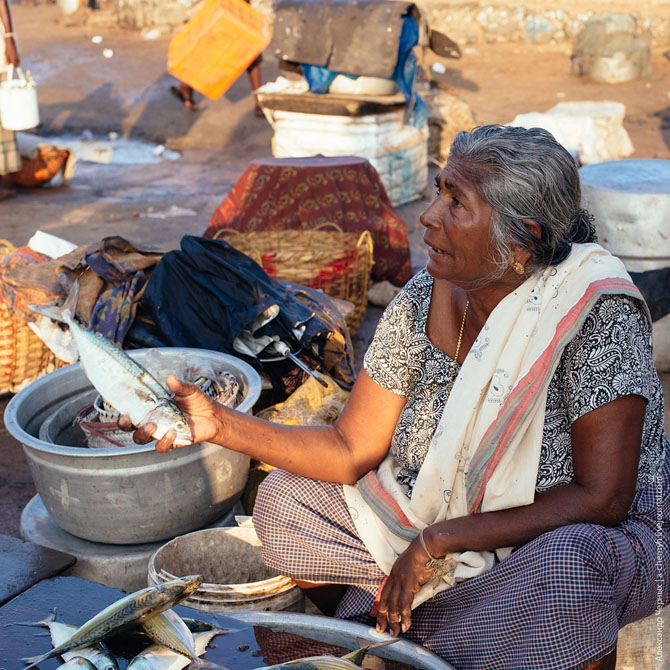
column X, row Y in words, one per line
column 177, row 642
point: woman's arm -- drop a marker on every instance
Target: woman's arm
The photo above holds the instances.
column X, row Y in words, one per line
column 342, row 453
column 8, row 43
column 605, row 451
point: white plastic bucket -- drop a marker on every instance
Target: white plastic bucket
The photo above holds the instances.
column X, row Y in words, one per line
column 68, row 7
column 235, row 577
column 630, row 201
column 18, row 103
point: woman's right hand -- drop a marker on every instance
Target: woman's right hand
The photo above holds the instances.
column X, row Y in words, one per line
column 202, row 413
column 11, row 52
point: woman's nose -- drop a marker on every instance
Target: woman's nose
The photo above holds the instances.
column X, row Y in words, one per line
column 427, row 218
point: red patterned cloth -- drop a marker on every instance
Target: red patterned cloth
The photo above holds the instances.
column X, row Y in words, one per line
column 297, row 193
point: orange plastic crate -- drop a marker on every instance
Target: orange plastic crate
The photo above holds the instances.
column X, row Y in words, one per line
column 217, row 45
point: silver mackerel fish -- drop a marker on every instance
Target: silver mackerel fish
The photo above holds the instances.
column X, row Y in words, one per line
column 133, row 608
column 120, row 380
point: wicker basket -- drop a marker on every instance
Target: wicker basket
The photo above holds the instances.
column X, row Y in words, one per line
column 23, row 356
column 336, row 262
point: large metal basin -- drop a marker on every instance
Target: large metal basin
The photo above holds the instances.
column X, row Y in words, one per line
column 345, row 634
column 128, row 495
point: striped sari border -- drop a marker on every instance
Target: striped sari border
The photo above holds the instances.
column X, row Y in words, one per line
column 526, row 394
column 385, row 507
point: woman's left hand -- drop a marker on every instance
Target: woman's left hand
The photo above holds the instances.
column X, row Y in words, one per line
column 406, row 578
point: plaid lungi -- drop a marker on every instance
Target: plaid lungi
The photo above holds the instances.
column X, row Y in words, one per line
column 556, row 602
column 10, row 160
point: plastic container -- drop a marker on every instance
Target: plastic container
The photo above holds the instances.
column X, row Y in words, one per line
column 235, row 576
column 397, row 151
column 18, row 102
column 217, row 45
column 68, row 7
column 630, row 200
column 377, row 86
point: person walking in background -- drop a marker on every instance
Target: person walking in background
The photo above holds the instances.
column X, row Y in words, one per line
column 10, row 160
column 185, row 92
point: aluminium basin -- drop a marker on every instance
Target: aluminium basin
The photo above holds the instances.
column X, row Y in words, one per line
column 345, row 634
column 128, row 495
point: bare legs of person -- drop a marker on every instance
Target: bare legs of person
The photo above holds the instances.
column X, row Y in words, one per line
column 185, row 93
column 325, row 596
column 255, row 80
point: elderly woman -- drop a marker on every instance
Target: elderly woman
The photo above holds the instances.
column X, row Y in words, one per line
column 495, row 488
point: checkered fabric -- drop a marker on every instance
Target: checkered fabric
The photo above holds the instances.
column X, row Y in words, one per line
column 556, row 602
column 10, row 160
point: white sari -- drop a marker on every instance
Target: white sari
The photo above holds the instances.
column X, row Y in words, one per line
column 485, row 452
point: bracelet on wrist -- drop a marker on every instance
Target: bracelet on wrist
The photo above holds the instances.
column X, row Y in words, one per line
column 441, row 567
column 425, row 548
column 6, row 35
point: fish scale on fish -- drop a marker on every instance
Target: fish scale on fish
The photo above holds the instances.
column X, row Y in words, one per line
column 158, row 657
column 169, row 630
column 97, row 654
column 120, row 380
column 77, row 663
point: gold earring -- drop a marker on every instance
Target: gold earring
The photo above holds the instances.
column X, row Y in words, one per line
column 518, row 267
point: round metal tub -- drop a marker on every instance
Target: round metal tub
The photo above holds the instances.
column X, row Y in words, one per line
column 240, row 582
column 127, row 495
column 345, row 634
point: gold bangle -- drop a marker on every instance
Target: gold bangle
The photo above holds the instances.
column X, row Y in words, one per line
column 6, row 35
column 425, row 548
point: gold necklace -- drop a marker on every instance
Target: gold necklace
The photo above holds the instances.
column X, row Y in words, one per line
column 458, row 349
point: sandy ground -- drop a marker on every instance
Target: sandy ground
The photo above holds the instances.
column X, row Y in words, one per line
column 80, row 89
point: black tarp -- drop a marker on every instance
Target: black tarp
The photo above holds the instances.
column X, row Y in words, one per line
column 204, row 295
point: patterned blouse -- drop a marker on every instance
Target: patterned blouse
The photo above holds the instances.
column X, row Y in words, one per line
column 610, row 357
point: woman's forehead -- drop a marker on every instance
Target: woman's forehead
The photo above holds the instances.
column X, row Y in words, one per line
column 451, row 178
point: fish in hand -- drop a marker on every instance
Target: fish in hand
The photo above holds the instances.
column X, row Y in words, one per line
column 120, row 380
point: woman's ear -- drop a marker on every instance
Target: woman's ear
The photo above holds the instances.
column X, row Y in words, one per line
column 521, row 254
column 533, row 227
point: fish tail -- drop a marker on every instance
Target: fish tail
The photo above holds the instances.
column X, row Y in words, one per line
column 60, row 312
column 34, row 660
column 43, row 622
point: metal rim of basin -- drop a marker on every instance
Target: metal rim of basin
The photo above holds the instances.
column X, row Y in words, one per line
column 211, row 591
column 252, row 382
column 332, row 631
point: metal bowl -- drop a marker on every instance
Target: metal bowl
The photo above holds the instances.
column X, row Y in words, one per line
column 344, row 634
column 127, row 495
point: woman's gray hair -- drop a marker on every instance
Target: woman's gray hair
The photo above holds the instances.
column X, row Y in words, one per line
column 525, row 174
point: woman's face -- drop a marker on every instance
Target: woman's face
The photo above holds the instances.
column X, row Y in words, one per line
column 457, row 232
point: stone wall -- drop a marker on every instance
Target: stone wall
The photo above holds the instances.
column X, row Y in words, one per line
column 468, row 23
column 539, row 22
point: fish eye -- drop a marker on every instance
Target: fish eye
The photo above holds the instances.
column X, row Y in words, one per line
column 180, row 425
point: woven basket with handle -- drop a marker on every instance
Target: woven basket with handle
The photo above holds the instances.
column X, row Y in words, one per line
column 23, row 356
column 324, row 257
